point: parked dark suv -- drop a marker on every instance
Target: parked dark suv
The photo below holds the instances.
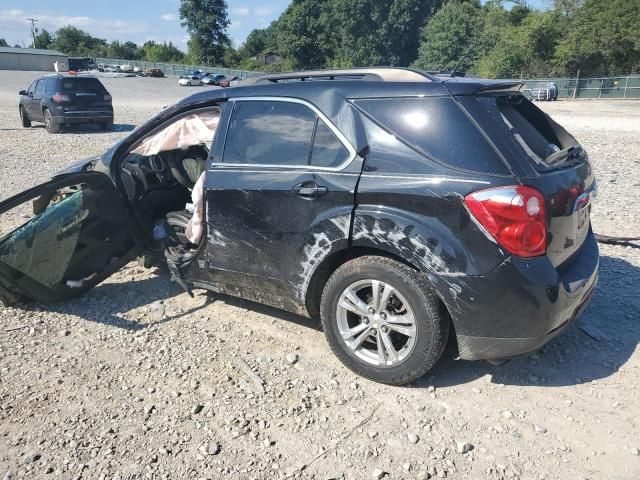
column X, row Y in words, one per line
column 396, row 206
column 59, row 100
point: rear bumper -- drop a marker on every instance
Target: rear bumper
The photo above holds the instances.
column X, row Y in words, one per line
column 524, row 304
column 84, row 117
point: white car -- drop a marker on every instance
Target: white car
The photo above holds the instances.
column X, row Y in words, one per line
column 189, row 80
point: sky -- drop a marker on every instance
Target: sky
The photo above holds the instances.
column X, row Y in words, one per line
column 135, row 20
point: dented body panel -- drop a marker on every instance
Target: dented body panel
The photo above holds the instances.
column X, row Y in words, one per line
column 275, row 230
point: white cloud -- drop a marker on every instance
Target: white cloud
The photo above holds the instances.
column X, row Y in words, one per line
column 169, row 17
column 95, row 26
column 263, row 11
column 242, row 11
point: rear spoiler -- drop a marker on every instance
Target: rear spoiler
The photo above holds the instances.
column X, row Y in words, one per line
column 471, row 87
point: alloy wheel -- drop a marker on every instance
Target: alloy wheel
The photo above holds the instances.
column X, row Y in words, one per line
column 376, row 322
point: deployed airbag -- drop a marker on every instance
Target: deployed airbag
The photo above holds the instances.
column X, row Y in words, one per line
column 195, row 227
column 193, row 129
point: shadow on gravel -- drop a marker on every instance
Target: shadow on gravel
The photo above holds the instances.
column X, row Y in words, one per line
column 107, row 300
column 89, row 128
column 574, row 357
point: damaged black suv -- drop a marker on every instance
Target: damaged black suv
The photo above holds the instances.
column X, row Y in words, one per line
column 396, row 206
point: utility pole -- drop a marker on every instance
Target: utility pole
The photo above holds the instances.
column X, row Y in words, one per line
column 33, row 29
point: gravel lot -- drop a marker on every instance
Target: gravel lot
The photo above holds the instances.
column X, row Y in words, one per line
column 137, row 380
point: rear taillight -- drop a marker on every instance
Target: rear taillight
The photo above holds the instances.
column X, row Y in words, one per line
column 107, row 97
column 514, row 216
column 60, row 97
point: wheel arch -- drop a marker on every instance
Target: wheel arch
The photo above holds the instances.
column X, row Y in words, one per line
column 333, row 261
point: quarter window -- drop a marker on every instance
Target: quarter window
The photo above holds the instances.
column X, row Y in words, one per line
column 269, row 133
column 437, row 127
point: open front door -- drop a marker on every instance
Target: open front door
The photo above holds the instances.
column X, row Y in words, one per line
column 60, row 239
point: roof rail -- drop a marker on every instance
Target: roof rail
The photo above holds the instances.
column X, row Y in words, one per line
column 375, row 74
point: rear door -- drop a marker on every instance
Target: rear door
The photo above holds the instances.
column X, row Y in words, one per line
column 29, row 101
column 38, row 95
column 280, row 193
column 61, row 238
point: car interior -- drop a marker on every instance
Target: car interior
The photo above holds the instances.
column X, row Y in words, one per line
column 161, row 171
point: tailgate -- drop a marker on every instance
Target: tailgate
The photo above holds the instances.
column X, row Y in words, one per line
column 86, row 94
column 568, row 195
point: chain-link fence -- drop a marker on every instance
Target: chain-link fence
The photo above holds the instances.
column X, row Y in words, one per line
column 607, row 87
column 175, row 68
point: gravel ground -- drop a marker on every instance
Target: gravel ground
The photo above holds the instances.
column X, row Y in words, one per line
column 137, row 380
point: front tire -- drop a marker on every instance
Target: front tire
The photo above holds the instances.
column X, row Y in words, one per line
column 383, row 320
column 49, row 124
column 24, row 119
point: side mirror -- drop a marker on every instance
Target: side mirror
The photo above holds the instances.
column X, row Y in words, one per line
column 22, row 92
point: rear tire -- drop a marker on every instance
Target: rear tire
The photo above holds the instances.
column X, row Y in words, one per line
column 405, row 331
column 24, row 119
column 49, row 124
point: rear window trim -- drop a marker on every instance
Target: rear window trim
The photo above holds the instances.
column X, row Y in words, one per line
column 418, row 150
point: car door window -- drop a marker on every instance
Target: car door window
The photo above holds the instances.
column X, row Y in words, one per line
column 327, row 151
column 65, row 238
column 32, row 87
column 40, row 88
column 269, row 133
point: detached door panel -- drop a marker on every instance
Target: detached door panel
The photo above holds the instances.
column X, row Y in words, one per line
column 61, row 238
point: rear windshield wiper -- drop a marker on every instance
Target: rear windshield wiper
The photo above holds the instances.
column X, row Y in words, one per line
column 570, row 153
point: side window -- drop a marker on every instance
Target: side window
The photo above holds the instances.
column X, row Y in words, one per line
column 327, row 151
column 265, row 132
column 437, row 127
column 32, row 87
column 40, row 87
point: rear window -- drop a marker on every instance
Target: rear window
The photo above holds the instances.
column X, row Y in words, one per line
column 438, row 128
column 534, row 131
column 85, row 85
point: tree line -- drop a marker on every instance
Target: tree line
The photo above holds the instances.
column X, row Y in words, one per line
column 495, row 39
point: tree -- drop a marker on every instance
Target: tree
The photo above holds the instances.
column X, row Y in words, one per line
column 524, row 50
column 302, row 33
column 567, row 8
column 161, row 52
column 125, row 50
column 43, row 40
column 3, row 43
column 207, row 21
column 78, row 43
column 453, row 32
column 604, row 39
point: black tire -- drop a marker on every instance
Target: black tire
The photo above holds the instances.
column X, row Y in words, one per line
column 49, row 124
column 107, row 126
column 24, row 119
column 431, row 318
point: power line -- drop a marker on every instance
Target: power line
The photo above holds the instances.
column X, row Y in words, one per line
column 33, row 29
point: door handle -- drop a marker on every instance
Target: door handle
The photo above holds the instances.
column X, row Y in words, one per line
column 310, row 190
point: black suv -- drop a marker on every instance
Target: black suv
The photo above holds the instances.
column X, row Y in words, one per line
column 396, row 206
column 59, row 100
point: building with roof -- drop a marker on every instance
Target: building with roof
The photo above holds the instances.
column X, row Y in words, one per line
column 32, row 59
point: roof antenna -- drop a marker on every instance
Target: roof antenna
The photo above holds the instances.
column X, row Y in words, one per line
column 464, row 57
